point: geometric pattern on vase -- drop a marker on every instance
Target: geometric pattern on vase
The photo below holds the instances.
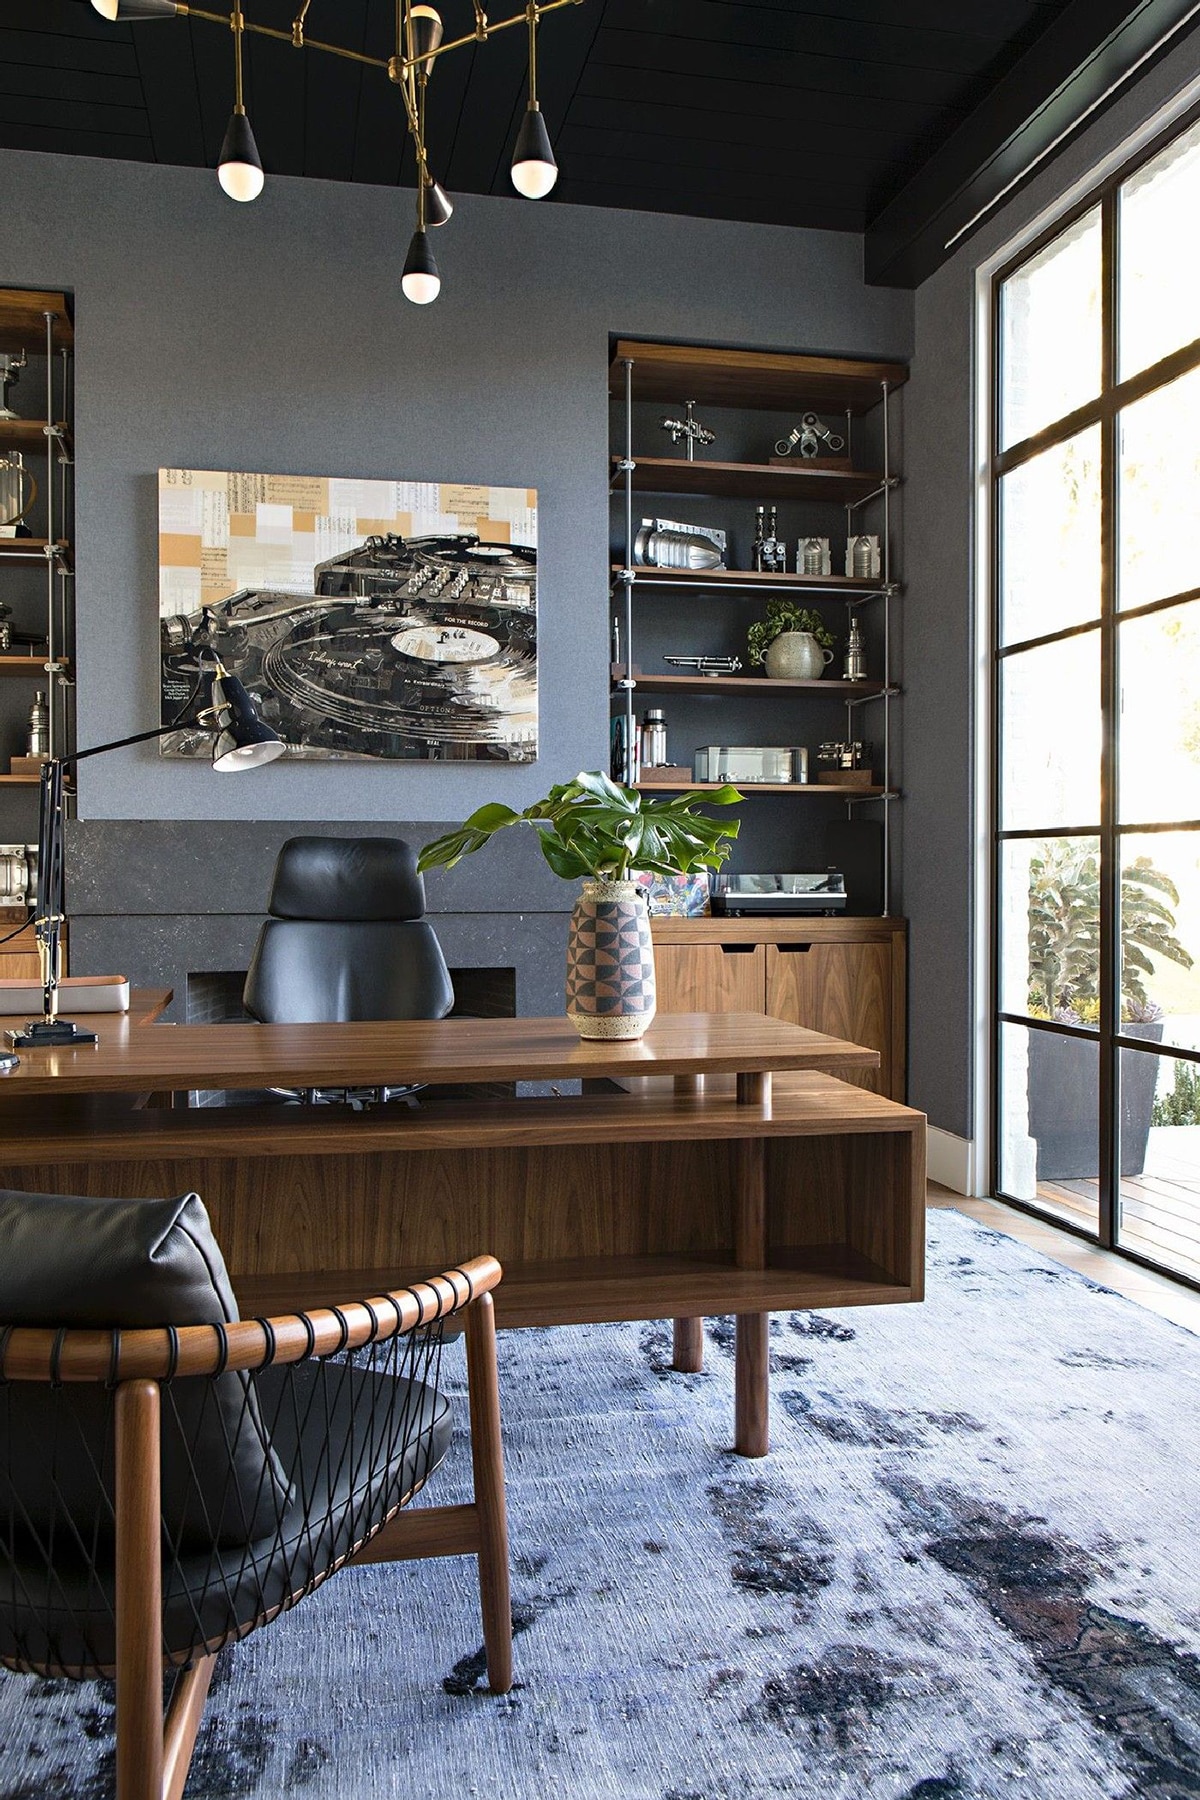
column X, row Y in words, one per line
column 610, row 962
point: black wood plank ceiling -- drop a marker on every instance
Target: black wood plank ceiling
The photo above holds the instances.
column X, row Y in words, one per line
column 830, row 113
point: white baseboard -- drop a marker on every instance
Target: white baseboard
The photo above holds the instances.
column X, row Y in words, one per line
column 952, row 1162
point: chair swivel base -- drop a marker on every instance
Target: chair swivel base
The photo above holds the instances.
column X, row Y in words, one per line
column 47, row 1034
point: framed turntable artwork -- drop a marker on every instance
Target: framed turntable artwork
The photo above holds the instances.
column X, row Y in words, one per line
column 380, row 620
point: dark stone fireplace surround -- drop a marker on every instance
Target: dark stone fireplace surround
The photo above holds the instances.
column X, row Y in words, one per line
column 164, row 899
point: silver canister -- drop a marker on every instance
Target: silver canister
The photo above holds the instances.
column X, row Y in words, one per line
column 39, row 726
column 800, row 763
column 654, row 738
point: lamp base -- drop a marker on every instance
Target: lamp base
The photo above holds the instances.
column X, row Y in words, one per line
column 49, row 1034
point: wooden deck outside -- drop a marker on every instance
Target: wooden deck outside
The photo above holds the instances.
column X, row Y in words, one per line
column 1160, row 1208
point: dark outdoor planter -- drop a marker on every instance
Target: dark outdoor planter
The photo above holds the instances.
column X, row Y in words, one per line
column 1063, row 1107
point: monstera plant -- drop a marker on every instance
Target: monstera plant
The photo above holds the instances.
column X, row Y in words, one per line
column 594, row 830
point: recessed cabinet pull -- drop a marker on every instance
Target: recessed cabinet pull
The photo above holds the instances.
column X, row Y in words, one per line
column 738, row 949
column 792, row 949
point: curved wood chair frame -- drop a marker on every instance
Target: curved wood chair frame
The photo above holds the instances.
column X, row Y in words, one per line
column 153, row 1755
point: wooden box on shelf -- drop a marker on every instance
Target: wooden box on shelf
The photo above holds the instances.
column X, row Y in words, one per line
column 847, row 778
column 27, row 765
column 665, row 775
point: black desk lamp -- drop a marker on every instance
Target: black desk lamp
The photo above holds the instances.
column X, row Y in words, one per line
column 241, row 741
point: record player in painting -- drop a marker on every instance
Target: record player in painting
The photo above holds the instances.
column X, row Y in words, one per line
column 408, row 649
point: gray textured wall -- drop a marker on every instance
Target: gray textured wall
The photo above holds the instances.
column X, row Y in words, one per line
column 275, row 337
column 939, row 639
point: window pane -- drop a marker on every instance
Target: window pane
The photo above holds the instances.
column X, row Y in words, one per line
column 1158, row 1214
column 1050, row 720
column 1050, row 540
column 1050, row 333
column 1160, row 716
column 1160, row 937
column 1049, row 1121
column 1159, row 497
column 1159, row 299
column 1050, row 929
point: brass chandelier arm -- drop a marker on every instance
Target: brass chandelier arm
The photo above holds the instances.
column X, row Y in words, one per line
column 388, row 64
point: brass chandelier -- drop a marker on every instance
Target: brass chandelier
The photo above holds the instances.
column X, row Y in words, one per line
column 419, row 43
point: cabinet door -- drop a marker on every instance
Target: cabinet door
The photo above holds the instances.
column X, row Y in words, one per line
column 845, row 990
column 710, row 977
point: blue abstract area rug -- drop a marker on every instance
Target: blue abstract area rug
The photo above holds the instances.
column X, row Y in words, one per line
column 968, row 1568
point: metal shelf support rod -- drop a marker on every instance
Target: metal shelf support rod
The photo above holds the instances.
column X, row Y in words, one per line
column 631, row 769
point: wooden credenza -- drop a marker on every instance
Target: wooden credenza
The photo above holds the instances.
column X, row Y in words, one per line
column 845, row 977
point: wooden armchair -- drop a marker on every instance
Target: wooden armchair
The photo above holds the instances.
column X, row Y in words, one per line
column 164, row 1490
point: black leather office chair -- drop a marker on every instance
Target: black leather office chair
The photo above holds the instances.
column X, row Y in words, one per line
column 347, row 939
column 173, row 1477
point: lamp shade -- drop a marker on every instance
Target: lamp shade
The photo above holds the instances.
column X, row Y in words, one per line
column 426, row 35
column 243, row 741
column 420, row 281
column 239, row 167
column 534, row 170
column 438, row 205
column 115, row 11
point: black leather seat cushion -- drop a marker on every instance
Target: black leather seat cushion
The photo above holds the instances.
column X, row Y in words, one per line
column 67, row 1260
column 354, row 1445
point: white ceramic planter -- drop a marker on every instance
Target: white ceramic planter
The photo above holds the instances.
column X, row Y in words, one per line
column 797, row 656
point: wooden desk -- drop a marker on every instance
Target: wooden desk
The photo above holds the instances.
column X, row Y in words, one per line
column 675, row 1202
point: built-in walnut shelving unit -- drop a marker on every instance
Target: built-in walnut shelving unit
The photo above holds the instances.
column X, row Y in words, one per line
column 778, row 383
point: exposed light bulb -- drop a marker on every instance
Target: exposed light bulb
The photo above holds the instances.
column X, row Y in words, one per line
column 534, row 170
column 426, row 36
column 239, row 168
column 106, row 8
column 421, row 282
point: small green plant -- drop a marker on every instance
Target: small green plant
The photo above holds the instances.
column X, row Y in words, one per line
column 784, row 615
column 593, row 826
column 1182, row 1105
column 1064, row 932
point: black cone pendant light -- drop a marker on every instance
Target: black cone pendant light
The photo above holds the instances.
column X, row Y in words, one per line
column 239, row 166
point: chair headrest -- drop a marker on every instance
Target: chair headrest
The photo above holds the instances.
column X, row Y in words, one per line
column 347, row 878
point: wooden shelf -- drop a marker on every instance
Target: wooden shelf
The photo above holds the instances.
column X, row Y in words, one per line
column 730, row 580
column 749, row 481
column 761, row 686
column 34, row 667
column 28, row 435
column 761, row 380
column 23, row 324
column 32, row 549
column 20, row 780
column 821, row 790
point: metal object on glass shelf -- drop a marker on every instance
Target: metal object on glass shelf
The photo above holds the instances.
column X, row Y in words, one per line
column 18, row 490
column 706, row 665
column 854, row 668
column 809, row 437
column 839, row 754
column 800, row 764
column 18, row 875
column 10, row 374
column 662, row 546
column 690, row 429
column 39, row 726
column 653, row 739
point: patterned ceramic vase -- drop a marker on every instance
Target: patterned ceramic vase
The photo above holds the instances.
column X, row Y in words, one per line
column 610, row 962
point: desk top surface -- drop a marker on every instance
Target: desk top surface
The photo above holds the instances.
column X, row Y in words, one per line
column 132, row 1056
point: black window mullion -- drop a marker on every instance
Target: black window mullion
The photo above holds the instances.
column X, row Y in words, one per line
column 1109, row 698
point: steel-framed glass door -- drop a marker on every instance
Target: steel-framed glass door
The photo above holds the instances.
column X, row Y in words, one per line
column 1096, row 752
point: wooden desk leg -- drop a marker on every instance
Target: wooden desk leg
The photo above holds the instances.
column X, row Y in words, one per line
column 688, row 1348
column 751, row 1387
column 487, row 1453
column 688, row 1356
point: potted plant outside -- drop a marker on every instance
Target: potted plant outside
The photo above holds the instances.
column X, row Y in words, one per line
column 595, row 830
column 1064, row 984
column 793, row 641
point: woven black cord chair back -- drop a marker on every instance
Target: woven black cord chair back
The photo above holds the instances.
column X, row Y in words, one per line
column 347, row 1438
